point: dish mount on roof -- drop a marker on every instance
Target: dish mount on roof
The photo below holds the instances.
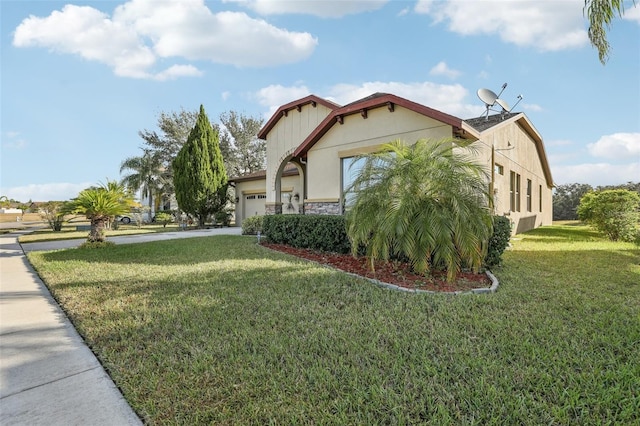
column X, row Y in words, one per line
column 490, row 99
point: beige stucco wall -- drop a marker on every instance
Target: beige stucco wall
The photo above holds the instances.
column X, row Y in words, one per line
column 359, row 135
column 515, row 150
column 243, row 209
column 288, row 133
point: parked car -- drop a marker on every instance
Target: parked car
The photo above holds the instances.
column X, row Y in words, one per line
column 124, row 219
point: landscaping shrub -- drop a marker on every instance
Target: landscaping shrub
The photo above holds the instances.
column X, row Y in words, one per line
column 252, row 225
column 163, row 218
column 318, row 232
column 499, row 240
column 612, row 212
column 53, row 212
column 96, row 244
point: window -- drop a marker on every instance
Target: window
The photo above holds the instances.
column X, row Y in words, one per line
column 351, row 167
column 498, row 169
column 262, row 197
column 251, row 197
column 540, row 198
column 514, row 192
column 529, row 189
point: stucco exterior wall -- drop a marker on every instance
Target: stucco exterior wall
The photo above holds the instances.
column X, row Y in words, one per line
column 358, row 135
column 288, row 133
column 515, row 150
column 245, row 208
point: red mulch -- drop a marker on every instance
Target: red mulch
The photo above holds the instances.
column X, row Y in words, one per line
column 397, row 273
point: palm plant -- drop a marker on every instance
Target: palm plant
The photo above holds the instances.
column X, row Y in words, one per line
column 99, row 204
column 428, row 202
column 147, row 175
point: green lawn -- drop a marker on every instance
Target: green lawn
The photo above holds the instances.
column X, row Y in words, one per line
column 69, row 232
column 219, row 330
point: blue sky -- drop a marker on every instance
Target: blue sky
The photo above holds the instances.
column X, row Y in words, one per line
column 80, row 79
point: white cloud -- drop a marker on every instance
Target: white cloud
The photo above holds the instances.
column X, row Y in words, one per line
column 12, row 140
column 45, row 191
column 225, row 95
column 176, row 71
column 141, row 31
column 596, row 174
column 323, row 9
column 443, row 69
column 618, row 146
column 275, row 95
column 632, row 13
column 546, row 25
column 449, row 98
column 532, row 107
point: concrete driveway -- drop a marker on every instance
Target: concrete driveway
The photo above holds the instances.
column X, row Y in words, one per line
column 132, row 239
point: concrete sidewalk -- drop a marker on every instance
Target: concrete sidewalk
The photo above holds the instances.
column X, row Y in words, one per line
column 48, row 375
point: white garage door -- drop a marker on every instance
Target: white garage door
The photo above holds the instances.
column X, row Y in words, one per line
column 254, row 205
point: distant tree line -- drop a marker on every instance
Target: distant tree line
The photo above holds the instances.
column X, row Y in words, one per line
column 566, row 198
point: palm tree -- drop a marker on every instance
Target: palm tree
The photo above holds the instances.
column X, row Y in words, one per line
column 428, row 203
column 147, row 175
column 99, row 204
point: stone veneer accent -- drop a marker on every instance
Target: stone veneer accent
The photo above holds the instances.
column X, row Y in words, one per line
column 273, row 208
column 314, row 207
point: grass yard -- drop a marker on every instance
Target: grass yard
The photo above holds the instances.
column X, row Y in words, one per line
column 220, row 330
column 69, row 232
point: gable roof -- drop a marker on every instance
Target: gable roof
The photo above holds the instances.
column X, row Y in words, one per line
column 376, row 100
column 289, row 170
column 485, row 124
column 297, row 104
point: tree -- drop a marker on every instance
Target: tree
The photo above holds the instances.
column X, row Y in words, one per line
column 612, row 212
column 99, row 205
column 147, row 174
column 175, row 128
column 600, row 14
column 242, row 150
column 53, row 212
column 426, row 202
column 198, row 171
column 566, row 199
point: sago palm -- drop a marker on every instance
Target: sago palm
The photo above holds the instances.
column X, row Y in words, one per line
column 99, row 204
column 427, row 202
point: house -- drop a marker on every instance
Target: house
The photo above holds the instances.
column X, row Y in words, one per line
column 312, row 142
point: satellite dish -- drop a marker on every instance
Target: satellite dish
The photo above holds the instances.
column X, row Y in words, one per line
column 505, row 106
column 487, row 96
column 490, row 99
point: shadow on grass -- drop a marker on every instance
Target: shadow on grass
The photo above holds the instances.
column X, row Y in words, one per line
column 188, row 251
column 225, row 344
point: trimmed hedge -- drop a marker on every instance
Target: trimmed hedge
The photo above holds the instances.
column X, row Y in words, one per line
column 329, row 233
column 499, row 240
column 317, row 232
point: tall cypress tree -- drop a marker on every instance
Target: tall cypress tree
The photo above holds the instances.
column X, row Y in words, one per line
column 199, row 176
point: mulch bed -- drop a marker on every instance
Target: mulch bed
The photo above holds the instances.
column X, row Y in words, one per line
column 396, row 273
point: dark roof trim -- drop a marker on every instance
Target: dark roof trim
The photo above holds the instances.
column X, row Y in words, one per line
column 375, row 101
column 297, row 105
column 262, row 174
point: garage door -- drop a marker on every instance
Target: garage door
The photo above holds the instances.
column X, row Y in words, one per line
column 253, row 205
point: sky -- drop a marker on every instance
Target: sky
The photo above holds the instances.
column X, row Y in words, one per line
column 80, row 79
